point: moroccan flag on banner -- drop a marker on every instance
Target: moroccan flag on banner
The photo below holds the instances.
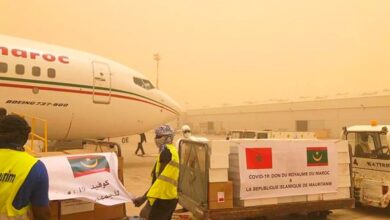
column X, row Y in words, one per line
column 88, row 164
column 258, row 158
column 317, row 156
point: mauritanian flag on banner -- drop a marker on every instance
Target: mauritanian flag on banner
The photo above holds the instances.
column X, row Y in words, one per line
column 92, row 177
column 89, row 164
column 258, row 158
column 317, row 156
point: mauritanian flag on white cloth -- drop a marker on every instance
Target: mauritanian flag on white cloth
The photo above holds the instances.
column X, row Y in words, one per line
column 90, row 177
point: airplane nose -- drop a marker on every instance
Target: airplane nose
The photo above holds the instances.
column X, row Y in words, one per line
column 174, row 105
column 171, row 103
column 178, row 108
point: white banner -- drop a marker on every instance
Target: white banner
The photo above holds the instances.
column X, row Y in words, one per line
column 274, row 168
column 90, row 177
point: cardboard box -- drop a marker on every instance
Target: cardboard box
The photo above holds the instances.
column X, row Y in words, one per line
column 109, row 212
column 219, row 161
column 79, row 216
column 290, row 199
column 54, row 209
column 73, row 209
column 342, row 193
column 220, row 195
column 218, row 175
column 255, row 202
column 71, row 206
column 220, row 147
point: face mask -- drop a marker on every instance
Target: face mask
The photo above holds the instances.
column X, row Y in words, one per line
column 159, row 141
column 187, row 134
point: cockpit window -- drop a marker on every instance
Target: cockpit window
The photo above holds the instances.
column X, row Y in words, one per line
column 146, row 84
column 138, row 81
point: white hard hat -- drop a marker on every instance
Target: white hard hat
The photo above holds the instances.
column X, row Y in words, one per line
column 185, row 128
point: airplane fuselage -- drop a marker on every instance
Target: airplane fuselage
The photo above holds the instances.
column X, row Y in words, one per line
column 81, row 95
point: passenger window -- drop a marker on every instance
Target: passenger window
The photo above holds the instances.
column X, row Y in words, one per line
column 19, row 69
column 3, row 67
column 51, row 73
column 36, row 71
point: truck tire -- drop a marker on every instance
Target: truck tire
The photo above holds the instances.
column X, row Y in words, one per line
column 358, row 204
column 356, row 194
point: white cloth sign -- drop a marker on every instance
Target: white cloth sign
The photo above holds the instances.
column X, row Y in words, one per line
column 92, row 177
column 274, row 168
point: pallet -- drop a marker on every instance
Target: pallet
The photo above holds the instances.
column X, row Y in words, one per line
column 200, row 212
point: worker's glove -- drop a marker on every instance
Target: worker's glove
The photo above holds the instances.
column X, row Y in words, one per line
column 139, row 201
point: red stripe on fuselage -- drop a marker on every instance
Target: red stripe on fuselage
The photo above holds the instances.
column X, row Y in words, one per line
column 81, row 92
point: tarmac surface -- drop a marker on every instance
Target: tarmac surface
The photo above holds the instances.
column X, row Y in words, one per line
column 137, row 180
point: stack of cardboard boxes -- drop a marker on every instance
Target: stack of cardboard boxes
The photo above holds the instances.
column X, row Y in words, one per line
column 220, row 189
column 344, row 181
column 234, row 176
column 344, row 178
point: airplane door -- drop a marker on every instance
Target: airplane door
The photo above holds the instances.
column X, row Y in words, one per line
column 101, row 83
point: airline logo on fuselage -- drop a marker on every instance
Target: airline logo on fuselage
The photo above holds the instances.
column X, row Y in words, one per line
column 33, row 55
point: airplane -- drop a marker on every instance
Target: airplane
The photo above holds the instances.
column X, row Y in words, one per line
column 81, row 95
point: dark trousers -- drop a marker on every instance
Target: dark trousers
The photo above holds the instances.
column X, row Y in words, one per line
column 162, row 209
column 140, row 147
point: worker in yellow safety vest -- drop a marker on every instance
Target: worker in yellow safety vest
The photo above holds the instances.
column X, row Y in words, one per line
column 24, row 181
column 162, row 195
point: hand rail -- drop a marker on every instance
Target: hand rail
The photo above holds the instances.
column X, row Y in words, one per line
column 33, row 135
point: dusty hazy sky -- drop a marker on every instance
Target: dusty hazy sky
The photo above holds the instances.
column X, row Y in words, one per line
column 220, row 52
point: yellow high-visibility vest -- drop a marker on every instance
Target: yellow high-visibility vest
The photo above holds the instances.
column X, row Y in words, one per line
column 165, row 186
column 14, row 169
